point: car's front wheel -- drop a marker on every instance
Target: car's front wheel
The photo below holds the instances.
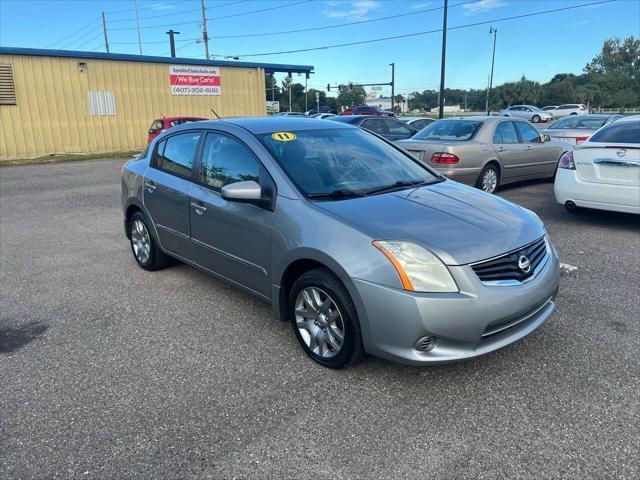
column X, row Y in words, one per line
column 145, row 249
column 489, row 179
column 536, row 119
column 324, row 319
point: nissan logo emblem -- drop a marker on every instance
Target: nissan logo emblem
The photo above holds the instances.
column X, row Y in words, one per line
column 621, row 153
column 524, row 264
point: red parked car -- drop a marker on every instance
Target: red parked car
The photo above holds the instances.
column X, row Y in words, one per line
column 160, row 125
column 367, row 110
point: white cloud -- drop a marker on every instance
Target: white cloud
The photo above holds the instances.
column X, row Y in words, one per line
column 161, row 6
column 577, row 24
column 355, row 10
column 482, row 6
column 416, row 6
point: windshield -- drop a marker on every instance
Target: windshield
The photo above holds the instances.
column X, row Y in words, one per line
column 579, row 122
column 342, row 161
column 449, row 130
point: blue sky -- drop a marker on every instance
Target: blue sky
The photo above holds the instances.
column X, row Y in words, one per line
column 538, row 46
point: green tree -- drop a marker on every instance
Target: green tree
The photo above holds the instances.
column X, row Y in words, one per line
column 349, row 97
column 617, row 56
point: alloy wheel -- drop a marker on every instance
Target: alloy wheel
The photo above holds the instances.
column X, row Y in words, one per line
column 140, row 241
column 319, row 322
column 490, row 181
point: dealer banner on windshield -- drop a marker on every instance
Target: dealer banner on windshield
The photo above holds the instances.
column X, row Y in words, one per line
column 194, row 80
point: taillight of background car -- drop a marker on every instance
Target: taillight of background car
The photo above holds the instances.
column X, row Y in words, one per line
column 566, row 161
column 581, row 139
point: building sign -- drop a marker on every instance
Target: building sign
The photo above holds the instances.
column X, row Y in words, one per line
column 194, row 80
column 273, row 106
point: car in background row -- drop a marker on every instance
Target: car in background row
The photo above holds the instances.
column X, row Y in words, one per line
column 576, row 129
column 485, row 151
column 568, row 109
column 290, row 114
column 355, row 243
column 549, row 108
column 316, row 111
column 603, row 172
column 367, row 110
column 528, row 112
column 161, row 124
column 322, row 115
column 390, row 128
column 417, row 122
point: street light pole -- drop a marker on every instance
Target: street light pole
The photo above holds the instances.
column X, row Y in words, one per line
column 444, row 56
column 205, row 35
column 493, row 59
column 393, row 84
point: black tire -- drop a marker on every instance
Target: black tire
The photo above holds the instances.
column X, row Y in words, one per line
column 351, row 351
column 574, row 113
column 156, row 258
column 536, row 119
column 572, row 207
column 480, row 181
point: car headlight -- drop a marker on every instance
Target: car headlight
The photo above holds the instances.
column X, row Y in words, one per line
column 418, row 268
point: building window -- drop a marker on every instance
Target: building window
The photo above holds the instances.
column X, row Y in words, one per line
column 102, row 102
column 7, row 87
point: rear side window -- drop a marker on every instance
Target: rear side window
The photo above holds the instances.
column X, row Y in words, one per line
column 376, row 126
column 398, row 128
column 449, row 130
column 225, row 160
column 505, row 133
column 528, row 133
column 176, row 153
column 618, row 132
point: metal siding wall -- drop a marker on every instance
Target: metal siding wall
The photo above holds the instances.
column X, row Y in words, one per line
column 53, row 114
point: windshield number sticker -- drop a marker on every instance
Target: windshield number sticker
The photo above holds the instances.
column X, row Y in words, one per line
column 283, row 136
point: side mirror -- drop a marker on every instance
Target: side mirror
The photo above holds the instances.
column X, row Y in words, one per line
column 152, row 131
column 248, row 191
column 545, row 138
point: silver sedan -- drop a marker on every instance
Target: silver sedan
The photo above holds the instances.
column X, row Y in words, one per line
column 528, row 112
column 576, row 129
column 486, row 151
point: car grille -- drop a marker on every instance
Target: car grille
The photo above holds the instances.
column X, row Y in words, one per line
column 506, row 268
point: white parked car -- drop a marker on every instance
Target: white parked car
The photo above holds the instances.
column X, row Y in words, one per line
column 528, row 112
column 568, row 109
column 603, row 172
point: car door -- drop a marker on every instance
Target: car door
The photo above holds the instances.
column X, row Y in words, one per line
column 376, row 125
column 537, row 155
column 398, row 130
column 232, row 239
column 167, row 183
column 510, row 151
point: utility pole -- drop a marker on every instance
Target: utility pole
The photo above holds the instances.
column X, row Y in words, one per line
column 135, row 3
column 393, row 83
column 290, row 82
column 205, row 36
column 493, row 59
column 444, row 56
column 104, row 31
column 306, row 99
column 317, row 102
column 172, row 42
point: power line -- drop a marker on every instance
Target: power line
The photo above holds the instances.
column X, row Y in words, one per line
column 133, row 9
column 415, row 34
column 173, row 14
column 81, row 37
column 92, row 22
column 99, row 34
column 175, row 24
column 338, row 25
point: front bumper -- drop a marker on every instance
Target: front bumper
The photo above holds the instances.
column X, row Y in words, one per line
column 477, row 320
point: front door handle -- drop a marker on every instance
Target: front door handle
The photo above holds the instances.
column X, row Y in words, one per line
column 200, row 209
column 528, row 147
column 500, row 149
column 149, row 186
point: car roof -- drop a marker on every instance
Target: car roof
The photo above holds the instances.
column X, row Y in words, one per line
column 259, row 125
column 480, row 118
column 631, row 118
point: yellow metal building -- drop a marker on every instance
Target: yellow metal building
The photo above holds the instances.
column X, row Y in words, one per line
column 58, row 101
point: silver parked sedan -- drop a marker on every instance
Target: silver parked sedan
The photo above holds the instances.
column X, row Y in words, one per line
column 576, row 129
column 528, row 112
column 357, row 244
column 486, row 151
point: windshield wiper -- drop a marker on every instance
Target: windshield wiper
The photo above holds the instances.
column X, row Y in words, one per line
column 338, row 194
column 399, row 185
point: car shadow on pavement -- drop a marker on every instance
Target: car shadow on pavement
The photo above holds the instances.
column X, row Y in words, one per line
column 13, row 338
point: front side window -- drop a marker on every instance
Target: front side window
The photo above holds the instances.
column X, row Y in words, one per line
column 343, row 160
column 618, row 132
column 449, row 130
column 528, row 133
column 176, row 153
column 507, row 133
column 226, row 160
column 376, row 125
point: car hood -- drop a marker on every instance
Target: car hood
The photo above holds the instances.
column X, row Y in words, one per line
column 458, row 223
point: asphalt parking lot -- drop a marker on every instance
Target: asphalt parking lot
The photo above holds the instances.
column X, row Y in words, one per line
column 109, row 371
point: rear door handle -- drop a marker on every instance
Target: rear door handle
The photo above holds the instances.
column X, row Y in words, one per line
column 149, row 186
column 500, row 149
column 200, row 209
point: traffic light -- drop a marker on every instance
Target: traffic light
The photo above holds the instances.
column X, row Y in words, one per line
column 328, row 87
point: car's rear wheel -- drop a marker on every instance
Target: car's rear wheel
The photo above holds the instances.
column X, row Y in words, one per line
column 144, row 247
column 324, row 319
column 489, row 179
column 536, row 119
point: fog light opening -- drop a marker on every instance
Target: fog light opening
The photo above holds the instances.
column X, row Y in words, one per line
column 426, row 344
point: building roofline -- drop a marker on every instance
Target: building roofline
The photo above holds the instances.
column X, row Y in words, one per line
column 126, row 57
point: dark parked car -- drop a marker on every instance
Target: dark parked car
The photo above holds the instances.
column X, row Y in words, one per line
column 161, row 124
column 367, row 110
column 389, row 128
